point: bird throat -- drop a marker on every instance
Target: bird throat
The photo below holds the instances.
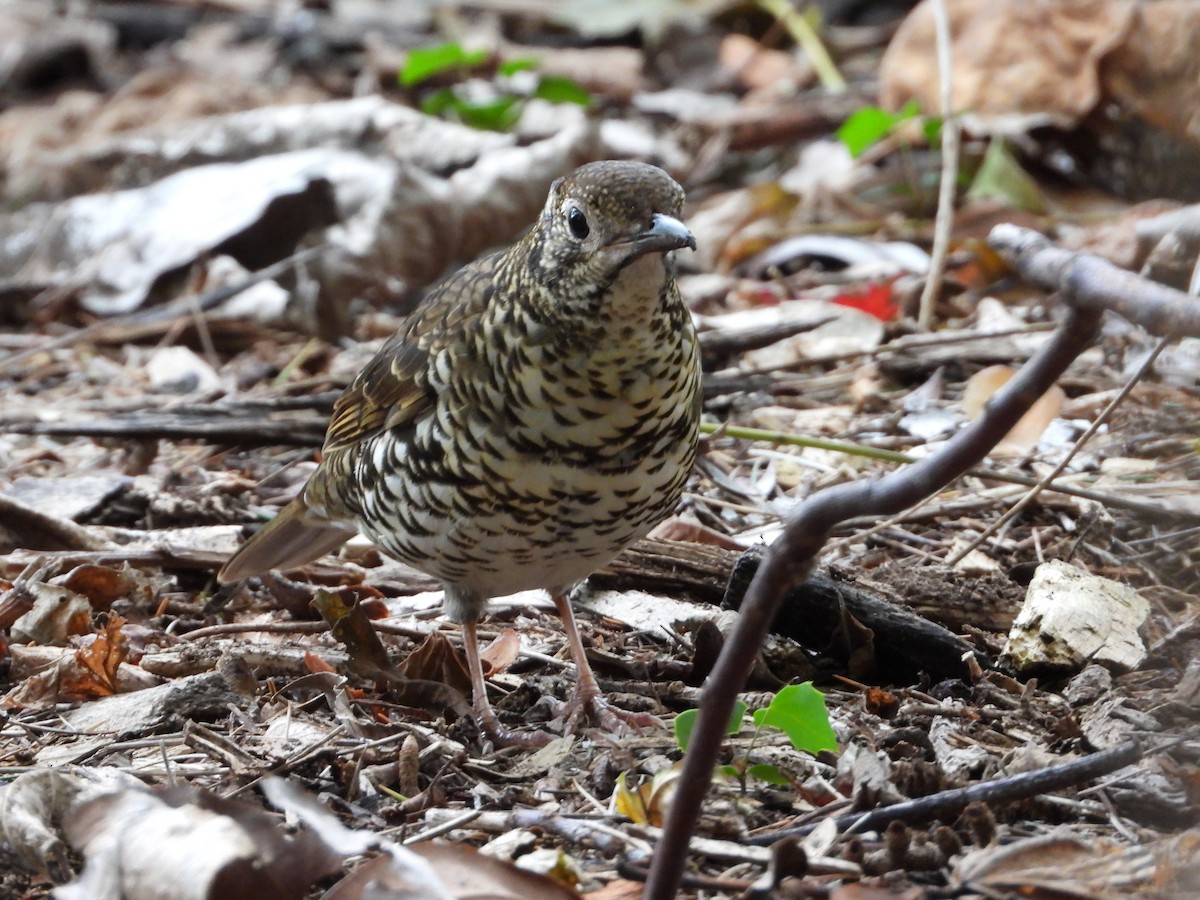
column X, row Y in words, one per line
column 636, row 295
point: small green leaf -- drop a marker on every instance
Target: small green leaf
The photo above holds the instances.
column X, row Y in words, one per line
column 735, row 717
column 685, row 723
column 932, row 129
column 561, row 90
column 869, row 125
column 425, row 62
column 1000, row 177
column 864, row 129
column 799, row 711
column 499, row 114
column 437, row 103
column 768, row 773
column 516, row 65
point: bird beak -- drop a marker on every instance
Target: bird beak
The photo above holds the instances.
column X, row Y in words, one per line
column 665, row 233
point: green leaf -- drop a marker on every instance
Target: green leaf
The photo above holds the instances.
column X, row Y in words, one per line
column 685, row 723
column 425, row 62
column 437, row 103
column 932, row 129
column 869, row 125
column 735, row 717
column 799, row 711
column 864, row 129
column 1000, row 177
column 768, row 773
column 499, row 114
column 561, row 90
column 516, row 65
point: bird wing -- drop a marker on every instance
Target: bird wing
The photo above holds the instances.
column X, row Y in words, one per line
column 394, row 389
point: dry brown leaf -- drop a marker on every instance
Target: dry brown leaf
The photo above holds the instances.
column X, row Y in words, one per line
column 618, row 890
column 436, row 659
column 135, row 846
column 57, row 614
column 1153, row 71
column 1029, row 430
column 678, row 529
column 1058, row 865
column 350, row 625
column 469, row 874
column 314, row 663
column 99, row 660
column 757, row 67
column 1009, row 57
column 100, row 584
column 502, row 652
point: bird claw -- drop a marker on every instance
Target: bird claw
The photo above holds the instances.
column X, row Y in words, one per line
column 611, row 718
column 501, row 737
column 526, row 740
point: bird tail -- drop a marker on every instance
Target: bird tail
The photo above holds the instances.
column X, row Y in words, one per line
column 294, row 537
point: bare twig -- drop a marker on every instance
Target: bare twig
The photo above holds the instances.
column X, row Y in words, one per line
column 1096, row 284
column 999, row 790
column 951, row 140
column 1046, row 482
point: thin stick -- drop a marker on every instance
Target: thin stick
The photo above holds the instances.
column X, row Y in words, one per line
column 1044, row 483
column 949, row 179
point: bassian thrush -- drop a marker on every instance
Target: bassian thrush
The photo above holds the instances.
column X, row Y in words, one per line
column 535, row 415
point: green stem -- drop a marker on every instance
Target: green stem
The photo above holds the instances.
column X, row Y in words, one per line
column 803, row 33
column 798, row 440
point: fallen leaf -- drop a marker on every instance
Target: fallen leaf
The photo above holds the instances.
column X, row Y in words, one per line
column 1028, row 431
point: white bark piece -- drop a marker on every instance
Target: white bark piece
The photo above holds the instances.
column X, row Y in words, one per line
column 1071, row 618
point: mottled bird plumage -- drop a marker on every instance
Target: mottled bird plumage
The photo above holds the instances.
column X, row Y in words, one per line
column 535, row 415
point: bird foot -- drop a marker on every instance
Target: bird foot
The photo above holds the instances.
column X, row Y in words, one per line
column 500, row 736
column 611, row 718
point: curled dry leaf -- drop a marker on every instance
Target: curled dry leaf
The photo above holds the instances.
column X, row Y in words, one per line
column 1059, row 865
column 760, row 68
column 502, row 652
column 436, row 659
column 102, row 584
column 233, row 849
column 34, row 806
column 57, row 614
column 646, row 803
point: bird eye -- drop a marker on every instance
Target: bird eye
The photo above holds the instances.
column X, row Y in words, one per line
column 577, row 222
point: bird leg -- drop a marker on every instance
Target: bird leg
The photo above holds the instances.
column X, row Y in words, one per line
column 587, row 695
column 485, row 716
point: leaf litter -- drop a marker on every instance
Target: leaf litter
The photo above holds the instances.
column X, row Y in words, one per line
column 146, row 417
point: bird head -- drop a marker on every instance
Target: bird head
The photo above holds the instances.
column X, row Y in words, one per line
column 597, row 222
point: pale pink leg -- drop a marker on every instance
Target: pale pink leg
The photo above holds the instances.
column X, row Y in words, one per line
column 587, row 695
column 485, row 716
